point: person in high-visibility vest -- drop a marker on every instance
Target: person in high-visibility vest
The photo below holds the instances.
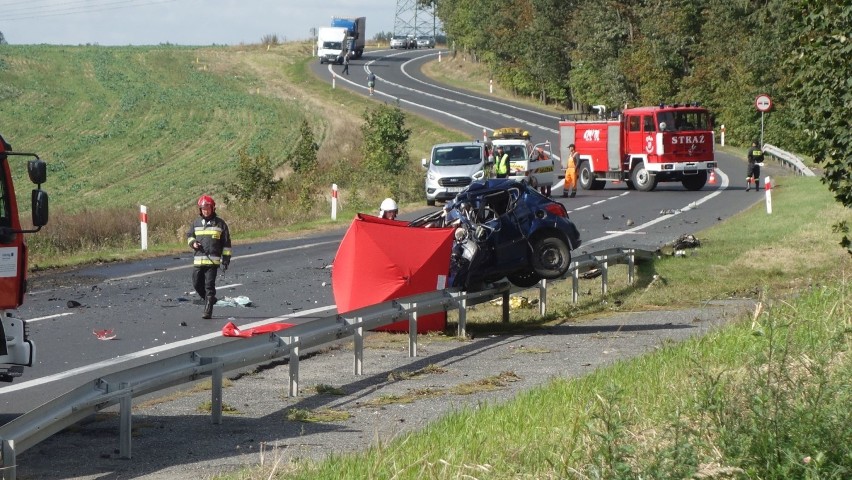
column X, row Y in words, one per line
column 210, row 237
column 570, row 173
column 755, row 158
column 501, row 163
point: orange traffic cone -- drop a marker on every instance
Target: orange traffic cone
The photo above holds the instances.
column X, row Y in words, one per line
column 712, row 180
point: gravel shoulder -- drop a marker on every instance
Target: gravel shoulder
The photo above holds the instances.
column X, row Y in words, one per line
column 174, row 439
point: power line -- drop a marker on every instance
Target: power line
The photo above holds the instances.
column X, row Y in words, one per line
column 71, row 8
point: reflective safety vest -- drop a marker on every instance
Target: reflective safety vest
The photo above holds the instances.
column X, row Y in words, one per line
column 502, row 165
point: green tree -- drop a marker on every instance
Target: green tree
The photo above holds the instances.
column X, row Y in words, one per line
column 822, row 81
column 304, row 156
column 385, row 146
column 255, row 178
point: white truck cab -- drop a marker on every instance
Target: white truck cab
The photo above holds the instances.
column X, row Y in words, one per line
column 533, row 163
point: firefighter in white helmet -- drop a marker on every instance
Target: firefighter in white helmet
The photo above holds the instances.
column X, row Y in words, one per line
column 388, row 209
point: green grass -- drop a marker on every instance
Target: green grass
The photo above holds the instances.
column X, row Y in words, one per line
column 158, row 126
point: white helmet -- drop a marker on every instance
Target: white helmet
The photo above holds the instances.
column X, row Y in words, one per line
column 387, row 205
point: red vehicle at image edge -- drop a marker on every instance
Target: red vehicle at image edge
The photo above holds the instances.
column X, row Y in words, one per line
column 16, row 349
column 642, row 146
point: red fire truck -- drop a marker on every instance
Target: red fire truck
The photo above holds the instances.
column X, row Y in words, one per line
column 16, row 349
column 642, row 146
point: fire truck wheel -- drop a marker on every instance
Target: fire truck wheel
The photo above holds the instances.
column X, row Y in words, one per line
column 642, row 178
column 551, row 257
column 694, row 182
column 585, row 177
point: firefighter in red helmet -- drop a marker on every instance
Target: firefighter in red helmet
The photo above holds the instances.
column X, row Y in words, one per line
column 209, row 237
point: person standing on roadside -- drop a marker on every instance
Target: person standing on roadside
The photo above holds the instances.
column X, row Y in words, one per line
column 346, row 63
column 755, row 158
column 210, row 238
column 371, row 82
column 501, row 163
column 570, row 173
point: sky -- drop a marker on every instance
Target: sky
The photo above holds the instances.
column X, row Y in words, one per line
column 181, row 22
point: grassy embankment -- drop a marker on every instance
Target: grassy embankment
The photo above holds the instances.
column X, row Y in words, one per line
column 765, row 397
column 158, row 126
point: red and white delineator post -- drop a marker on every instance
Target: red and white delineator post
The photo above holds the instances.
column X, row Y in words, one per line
column 143, row 226
column 768, row 188
column 334, row 201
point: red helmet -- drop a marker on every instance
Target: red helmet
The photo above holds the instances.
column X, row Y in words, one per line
column 206, row 200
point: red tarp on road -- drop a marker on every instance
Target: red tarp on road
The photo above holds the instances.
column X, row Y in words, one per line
column 380, row 260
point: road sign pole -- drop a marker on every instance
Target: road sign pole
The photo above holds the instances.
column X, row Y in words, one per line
column 761, row 129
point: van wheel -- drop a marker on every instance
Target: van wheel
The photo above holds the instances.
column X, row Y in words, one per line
column 430, row 203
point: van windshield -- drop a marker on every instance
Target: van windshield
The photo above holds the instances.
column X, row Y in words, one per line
column 332, row 45
column 462, row 155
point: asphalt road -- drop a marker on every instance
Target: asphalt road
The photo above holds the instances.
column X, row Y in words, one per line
column 148, row 304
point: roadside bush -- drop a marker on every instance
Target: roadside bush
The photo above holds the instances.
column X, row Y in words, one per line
column 385, row 146
column 304, row 157
column 255, row 178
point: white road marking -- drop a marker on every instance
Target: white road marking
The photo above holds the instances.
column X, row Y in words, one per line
column 30, row 320
column 150, row 352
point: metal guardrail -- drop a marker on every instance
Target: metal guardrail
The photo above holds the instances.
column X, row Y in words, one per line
column 789, row 160
column 122, row 386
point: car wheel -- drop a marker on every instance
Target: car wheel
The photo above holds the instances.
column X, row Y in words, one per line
column 642, row 178
column 551, row 257
column 524, row 279
column 430, row 203
column 694, row 182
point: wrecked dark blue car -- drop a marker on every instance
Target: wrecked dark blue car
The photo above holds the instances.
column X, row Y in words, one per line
column 505, row 228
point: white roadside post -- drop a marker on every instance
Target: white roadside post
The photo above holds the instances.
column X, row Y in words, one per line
column 490, row 86
column 143, row 220
column 723, row 135
column 333, row 79
column 334, row 201
column 768, row 188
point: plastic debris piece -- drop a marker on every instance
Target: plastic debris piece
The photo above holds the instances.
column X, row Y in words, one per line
column 106, row 334
column 240, row 301
column 73, row 304
column 231, row 330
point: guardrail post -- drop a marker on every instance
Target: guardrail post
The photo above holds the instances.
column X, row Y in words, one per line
column 359, row 346
column 575, row 285
column 631, row 266
column 125, row 429
column 604, row 275
column 9, row 464
column 294, row 366
column 461, row 330
column 506, row 306
column 216, row 395
column 412, row 332
column 542, row 297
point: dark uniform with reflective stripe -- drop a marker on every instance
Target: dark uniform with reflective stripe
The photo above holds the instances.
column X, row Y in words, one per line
column 215, row 239
column 755, row 157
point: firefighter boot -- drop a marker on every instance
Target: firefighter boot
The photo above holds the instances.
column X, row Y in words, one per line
column 208, row 307
column 748, row 184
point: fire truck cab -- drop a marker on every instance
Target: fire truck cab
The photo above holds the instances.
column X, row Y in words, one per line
column 643, row 146
column 16, row 349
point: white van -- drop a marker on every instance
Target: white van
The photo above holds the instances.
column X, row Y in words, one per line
column 452, row 167
column 532, row 163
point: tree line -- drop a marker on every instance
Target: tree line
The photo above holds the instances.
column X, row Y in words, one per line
column 720, row 53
